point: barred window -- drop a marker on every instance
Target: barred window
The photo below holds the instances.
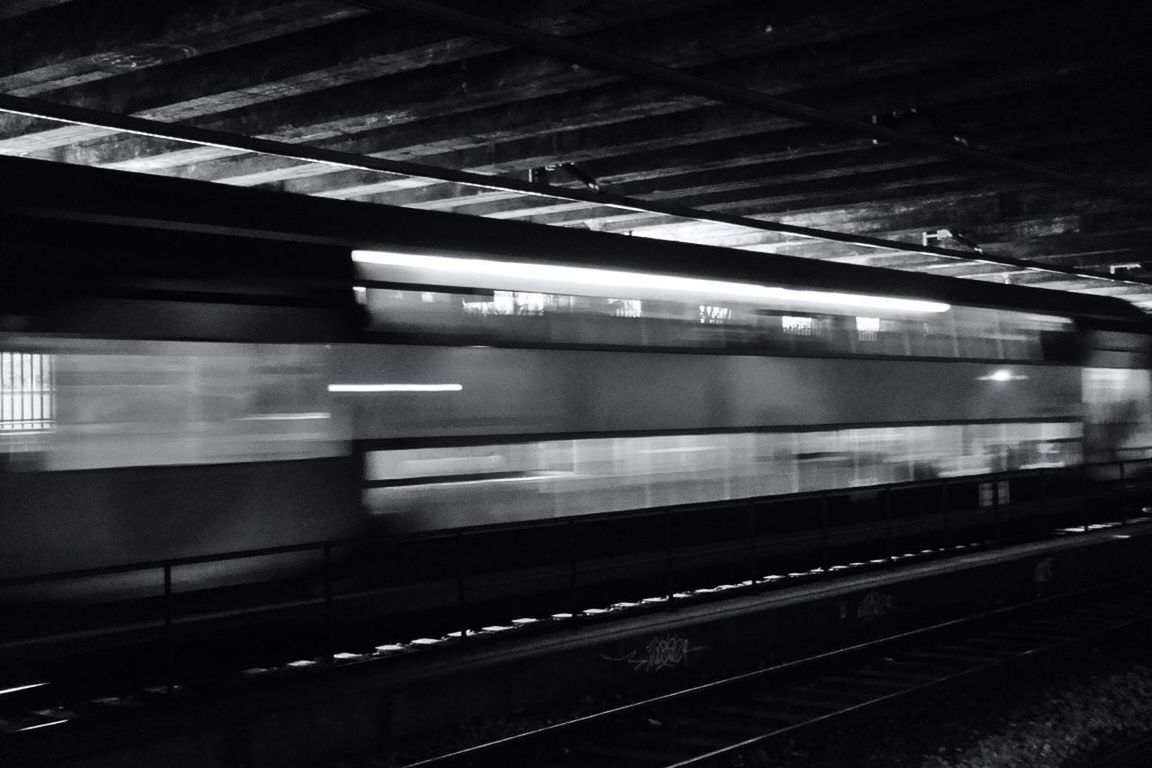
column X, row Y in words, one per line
column 25, row 392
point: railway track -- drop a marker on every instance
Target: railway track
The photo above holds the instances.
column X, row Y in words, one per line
column 1119, row 752
column 33, row 705
column 741, row 720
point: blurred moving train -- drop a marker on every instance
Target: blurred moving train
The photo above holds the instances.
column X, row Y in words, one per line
column 178, row 379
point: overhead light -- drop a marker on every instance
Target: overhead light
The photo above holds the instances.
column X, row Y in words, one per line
column 395, row 387
column 508, row 275
column 49, row 724
column 1003, row 374
column 285, row 416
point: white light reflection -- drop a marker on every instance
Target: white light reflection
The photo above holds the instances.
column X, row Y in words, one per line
column 285, row 417
column 395, row 387
column 18, row 688
column 42, row 725
column 1003, row 374
column 474, row 272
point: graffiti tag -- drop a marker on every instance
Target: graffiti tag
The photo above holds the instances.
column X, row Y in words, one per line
column 661, row 652
column 1043, row 571
column 873, row 605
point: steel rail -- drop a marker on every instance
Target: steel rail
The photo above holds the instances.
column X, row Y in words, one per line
column 614, row 63
column 43, row 110
column 482, row 754
column 1032, row 653
column 495, row 752
column 1117, row 753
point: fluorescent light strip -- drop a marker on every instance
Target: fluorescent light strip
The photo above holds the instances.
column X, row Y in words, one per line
column 395, row 387
column 615, row 281
column 19, row 688
column 1002, row 375
column 286, row 417
column 42, row 725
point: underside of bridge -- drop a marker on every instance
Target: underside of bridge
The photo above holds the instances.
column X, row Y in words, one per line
column 993, row 140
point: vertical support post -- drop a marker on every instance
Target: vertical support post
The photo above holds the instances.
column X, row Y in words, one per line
column 945, row 512
column 329, row 626
column 825, row 556
column 169, row 636
column 889, row 545
column 751, row 510
column 573, row 562
column 670, row 586
column 995, row 537
column 458, row 558
column 1123, row 488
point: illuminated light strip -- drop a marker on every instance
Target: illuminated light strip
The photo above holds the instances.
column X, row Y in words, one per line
column 395, row 387
column 285, row 417
column 19, row 688
column 617, row 280
column 1003, row 375
column 42, row 725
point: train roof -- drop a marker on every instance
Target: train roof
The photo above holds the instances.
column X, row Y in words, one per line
column 272, row 235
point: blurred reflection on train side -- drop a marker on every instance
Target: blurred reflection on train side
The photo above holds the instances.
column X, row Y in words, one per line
column 130, row 451
column 135, row 403
column 444, row 487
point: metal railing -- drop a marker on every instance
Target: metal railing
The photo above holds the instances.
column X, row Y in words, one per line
column 459, row 584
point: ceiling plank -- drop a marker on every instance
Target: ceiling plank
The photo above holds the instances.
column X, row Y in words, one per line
column 13, row 8
column 87, row 40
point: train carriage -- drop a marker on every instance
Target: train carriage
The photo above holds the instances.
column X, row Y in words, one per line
column 177, row 382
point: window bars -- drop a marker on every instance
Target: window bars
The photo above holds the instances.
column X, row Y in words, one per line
column 26, row 392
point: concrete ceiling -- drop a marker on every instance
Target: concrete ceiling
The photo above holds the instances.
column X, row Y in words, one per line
column 990, row 139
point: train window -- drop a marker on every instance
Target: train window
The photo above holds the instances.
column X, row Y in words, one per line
column 1118, row 399
column 934, row 336
column 978, row 333
column 529, row 303
column 1024, row 336
column 627, row 307
column 571, row 477
column 26, row 392
column 867, row 328
column 797, row 325
column 1000, row 334
column 481, row 316
column 144, row 403
column 713, row 315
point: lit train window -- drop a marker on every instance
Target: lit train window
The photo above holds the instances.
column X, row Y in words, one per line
column 479, row 307
column 867, row 328
column 797, row 325
column 463, row 485
column 769, row 326
column 626, row 308
column 26, row 392
column 131, row 403
column 529, row 303
column 713, row 315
